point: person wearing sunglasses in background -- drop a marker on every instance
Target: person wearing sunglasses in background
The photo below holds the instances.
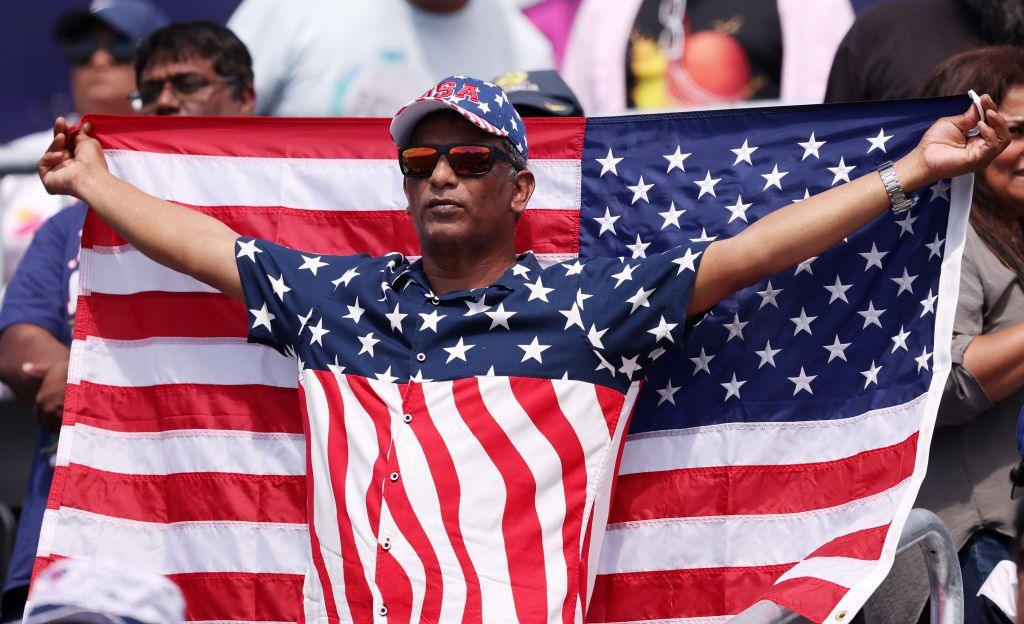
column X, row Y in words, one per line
column 193, row 68
column 482, row 396
column 38, row 305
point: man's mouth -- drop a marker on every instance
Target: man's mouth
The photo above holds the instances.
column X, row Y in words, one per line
column 443, row 205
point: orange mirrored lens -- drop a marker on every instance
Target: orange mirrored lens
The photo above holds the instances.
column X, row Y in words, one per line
column 419, row 160
column 470, row 159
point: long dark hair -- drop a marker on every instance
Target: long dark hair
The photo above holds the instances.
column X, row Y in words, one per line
column 993, row 70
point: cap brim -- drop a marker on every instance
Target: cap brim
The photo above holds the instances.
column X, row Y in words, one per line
column 73, row 24
column 52, row 614
column 537, row 104
column 404, row 122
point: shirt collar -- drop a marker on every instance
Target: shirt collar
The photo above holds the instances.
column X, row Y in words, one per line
column 526, row 267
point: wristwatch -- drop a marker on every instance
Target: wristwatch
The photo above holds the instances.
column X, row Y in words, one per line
column 898, row 200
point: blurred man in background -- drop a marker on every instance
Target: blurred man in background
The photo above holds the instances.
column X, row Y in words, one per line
column 892, row 47
column 366, row 59
column 100, row 44
column 195, row 68
column 540, row 93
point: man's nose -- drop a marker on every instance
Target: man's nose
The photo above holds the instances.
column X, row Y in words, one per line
column 167, row 98
column 102, row 58
column 443, row 174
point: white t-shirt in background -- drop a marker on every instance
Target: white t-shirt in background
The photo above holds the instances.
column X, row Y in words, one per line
column 367, row 58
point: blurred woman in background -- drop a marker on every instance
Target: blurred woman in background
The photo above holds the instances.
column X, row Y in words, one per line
column 973, row 448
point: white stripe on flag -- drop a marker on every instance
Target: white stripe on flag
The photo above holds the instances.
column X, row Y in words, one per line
column 843, row 571
column 156, row 361
column 305, row 183
column 731, row 541
column 771, row 444
column 178, row 548
column 171, row 452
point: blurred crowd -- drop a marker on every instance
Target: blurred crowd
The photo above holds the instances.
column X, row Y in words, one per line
column 560, row 58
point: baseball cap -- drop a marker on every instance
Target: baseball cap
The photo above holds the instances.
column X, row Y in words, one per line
column 134, row 19
column 540, row 93
column 484, row 104
column 75, row 590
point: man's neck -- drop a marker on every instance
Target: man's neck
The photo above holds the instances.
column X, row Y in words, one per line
column 453, row 272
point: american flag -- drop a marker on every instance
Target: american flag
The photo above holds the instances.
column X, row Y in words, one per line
column 775, row 458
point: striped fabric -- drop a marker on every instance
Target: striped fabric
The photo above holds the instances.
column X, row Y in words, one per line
column 183, row 449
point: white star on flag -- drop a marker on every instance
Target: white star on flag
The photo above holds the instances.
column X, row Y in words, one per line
column 607, row 222
column 906, row 224
column 899, row 341
column 639, row 300
column 629, row 366
column 303, row 320
column 668, row 393
column 702, row 361
column 686, row 261
column 318, row 332
column 738, row 210
column 774, row 178
column 476, row 307
column 878, row 142
column 345, row 278
column 838, row 291
column 928, row 303
column 263, row 317
column 767, row 354
column 594, row 336
column 922, row 360
column 841, row 172
column 671, row 216
column 732, row 388
column 534, row 350
column 837, row 350
column 811, row 147
column 803, row 323
column 940, row 190
column 538, row 290
column 367, row 343
column 905, row 283
column 707, row 185
column 871, row 375
column 871, row 315
column 935, row 247
column 458, row 351
column 499, row 317
column 249, row 250
column 638, row 249
column 572, row 317
column 395, row 317
column 735, row 327
column 802, row 382
column 355, row 312
column 431, row 320
column 675, row 161
column 663, row 330
column 608, row 163
column 873, row 257
column 312, row 264
column 640, row 191
column 625, row 275
column 768, row 296
column 743, row 153
column 278, row 286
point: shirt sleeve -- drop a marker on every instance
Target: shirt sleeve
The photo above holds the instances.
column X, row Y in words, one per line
column 637, row 306
column 963, row 397
column 282, row 288
column 36, row 292
column 846, row 78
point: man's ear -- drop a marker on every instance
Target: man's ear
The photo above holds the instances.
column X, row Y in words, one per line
column 524, row 183
column 247, row 101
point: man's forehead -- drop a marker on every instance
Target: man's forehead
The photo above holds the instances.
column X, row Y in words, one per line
column 447, row 126
column 165, row 65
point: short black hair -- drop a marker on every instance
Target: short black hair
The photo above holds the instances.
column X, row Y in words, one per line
column 180, row 41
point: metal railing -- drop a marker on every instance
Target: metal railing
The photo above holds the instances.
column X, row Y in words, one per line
column 923, row 529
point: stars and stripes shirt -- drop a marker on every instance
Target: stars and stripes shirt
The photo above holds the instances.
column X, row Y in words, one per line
column 462, row 448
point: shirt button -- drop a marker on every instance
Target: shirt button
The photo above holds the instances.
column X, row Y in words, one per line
column 394, row 476
column 407, row 418
column 383, row 610
column 421, row 357
column 386, row 544
column 435, row 301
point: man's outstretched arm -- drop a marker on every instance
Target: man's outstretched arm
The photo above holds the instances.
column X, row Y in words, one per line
column 805, row 229
column 182, row 239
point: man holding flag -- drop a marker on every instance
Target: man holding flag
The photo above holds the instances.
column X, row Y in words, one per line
column 459, row 466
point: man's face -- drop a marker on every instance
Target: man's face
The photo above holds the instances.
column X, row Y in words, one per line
column 192, row 87
column 102, row 82
column 474, row 211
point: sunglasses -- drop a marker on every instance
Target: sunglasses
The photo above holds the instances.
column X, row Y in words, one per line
column 80, row 49
column 467, row 159
column 184, row 84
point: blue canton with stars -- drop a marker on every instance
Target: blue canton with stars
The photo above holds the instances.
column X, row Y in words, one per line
column 600, row 320
column 849, row 331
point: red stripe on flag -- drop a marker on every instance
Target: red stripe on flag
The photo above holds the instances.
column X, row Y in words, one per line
column 229, row 596
column 663, row 595
column 520, row 525
column 294, row 137
column 537, row 398
column 266, row 409
column 156, row 313
column 412, row 530
column 185, row 497
column 221, row 596
column 342, row 232
column 357, row 591
column 449, row 494
column 812, row 598
column 753, row 490
column 380, row 417
column 866, row 544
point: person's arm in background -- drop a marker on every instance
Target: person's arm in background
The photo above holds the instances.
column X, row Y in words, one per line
column 997, row 361
column 799, row 231
column 181, row 239
column 33, row 360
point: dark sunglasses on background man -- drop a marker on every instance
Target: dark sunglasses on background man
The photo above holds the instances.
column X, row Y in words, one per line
column 467, row 159
column 80, row 49
column 185, row 84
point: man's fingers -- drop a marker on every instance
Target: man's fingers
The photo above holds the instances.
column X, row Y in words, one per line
column 36, row 371
column 998, row 123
